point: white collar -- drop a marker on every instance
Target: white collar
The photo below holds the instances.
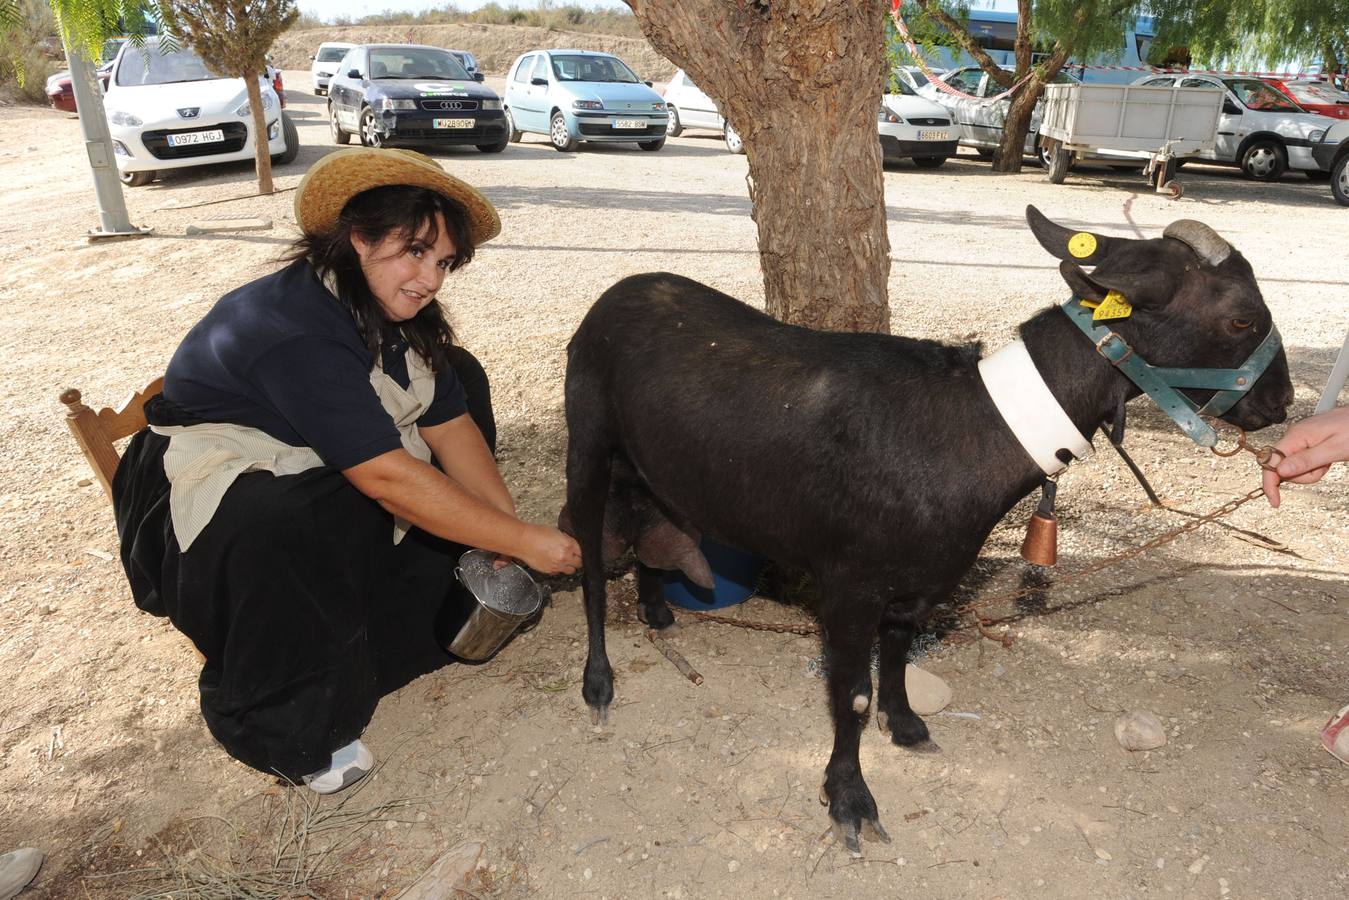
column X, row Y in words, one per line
column 1029, row 408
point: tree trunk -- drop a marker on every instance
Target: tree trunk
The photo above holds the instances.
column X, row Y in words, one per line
column 260, row 150
column 1016, row 126
column 800, row 81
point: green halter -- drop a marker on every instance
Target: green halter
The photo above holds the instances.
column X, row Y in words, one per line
column 1160, row 383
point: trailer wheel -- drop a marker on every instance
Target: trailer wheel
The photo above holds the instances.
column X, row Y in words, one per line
column 1060, row 161
column 1175, row 188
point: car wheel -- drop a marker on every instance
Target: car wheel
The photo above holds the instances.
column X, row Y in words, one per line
column 291, row 135
column 558, row 134
column 653, row 146
column 137, row 179
column 1264, row 160
column 983, row 153
column 1339, row 180
column 340, row 136
column 733, row 142
column 369, row 136
column 1042, row 155
column 512, row 133
column 674, row 127
column 929, row 162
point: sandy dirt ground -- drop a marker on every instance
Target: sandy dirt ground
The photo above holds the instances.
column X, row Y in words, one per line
column 706, row 791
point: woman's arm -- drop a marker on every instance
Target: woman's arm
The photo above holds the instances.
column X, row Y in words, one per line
column 463, row 455
column 434, row 502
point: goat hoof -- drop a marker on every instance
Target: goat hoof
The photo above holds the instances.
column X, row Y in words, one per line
column 599, row 715
column 927, row 746
column 848, row 835
column 824, row 796
column 883, row 722
column 872, row 831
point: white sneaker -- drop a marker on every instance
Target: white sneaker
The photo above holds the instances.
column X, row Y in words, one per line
column 17, row 868
column 350, row 764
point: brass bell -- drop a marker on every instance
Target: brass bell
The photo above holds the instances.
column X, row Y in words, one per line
column 1040, row 548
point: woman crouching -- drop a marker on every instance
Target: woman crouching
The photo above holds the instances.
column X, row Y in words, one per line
column 320, row 456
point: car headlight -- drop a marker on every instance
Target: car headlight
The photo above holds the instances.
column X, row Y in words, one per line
column 587, row 104
column 491, row 104
column 267, row 103
column 389, row 103
column 1317, row 136
column 273, row 130
column 885, row 115
column 117, row 117
column 658, row 107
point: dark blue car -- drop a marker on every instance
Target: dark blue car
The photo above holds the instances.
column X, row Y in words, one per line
column 412, row 94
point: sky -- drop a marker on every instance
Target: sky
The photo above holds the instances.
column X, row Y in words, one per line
column 354, row 9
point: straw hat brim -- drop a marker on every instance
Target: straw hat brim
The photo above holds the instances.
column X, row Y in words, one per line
column 332, row 181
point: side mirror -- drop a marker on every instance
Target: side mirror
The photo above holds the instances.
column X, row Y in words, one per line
column 648, row 84
column 353, row 73
column 542, row 82
column 479, row 77
column 1231, row 108
column 312, row 56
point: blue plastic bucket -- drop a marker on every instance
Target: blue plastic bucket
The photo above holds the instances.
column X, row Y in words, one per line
column 735, row 574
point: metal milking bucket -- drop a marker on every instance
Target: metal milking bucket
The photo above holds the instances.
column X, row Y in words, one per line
column 505, row 598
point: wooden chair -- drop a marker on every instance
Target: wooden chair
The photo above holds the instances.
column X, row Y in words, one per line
column 96, row 431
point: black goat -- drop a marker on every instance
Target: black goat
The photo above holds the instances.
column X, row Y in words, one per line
column 877, row 463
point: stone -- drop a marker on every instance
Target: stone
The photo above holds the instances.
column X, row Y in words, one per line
column 928, row 694
column 1140, row 730
column 211, row 226
column 448, row 876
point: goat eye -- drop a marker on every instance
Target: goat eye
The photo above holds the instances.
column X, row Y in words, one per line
column 1241, row 324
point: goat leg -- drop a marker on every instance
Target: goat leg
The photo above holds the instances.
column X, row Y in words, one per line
column 894, row 716
column 652, row 609
column 850, row 629
column 587, row 491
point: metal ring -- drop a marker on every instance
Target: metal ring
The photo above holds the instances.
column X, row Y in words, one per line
column 1267, row 461
column 1219, row 427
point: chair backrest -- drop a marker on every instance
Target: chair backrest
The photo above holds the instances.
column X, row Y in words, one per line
column 96, row 431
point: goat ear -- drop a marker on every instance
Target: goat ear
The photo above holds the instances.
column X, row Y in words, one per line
column 1084, row 247
column 1140, row 289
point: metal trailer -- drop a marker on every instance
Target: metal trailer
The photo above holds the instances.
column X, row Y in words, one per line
column 1157, row 125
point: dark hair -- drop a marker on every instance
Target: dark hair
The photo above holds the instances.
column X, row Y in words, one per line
column 409, row 213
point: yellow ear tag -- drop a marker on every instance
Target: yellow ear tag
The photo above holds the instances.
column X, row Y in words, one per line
column 1089, row 304
column 1082, row 245
column 1114, row 306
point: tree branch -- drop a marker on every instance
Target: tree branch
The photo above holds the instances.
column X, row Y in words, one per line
column 967, row 42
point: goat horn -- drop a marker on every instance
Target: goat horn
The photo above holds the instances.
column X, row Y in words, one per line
column 1211, row 247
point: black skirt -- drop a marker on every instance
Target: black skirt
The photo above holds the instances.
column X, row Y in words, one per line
column 306, row 611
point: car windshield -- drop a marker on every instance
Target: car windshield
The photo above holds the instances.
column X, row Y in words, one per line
column 902, row 87
column 331, row 54
column 416, row 62
column 148, row 65
column 110, row 48
column 1259, row 95
column 592, row 68
column 1315, row 93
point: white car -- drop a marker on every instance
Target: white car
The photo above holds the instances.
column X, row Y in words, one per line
column 168, row 111
column 979, row 121
column 908, row 125
column 1260, row 129
column 1332, row 155
column 912, row 127
column 324, row 63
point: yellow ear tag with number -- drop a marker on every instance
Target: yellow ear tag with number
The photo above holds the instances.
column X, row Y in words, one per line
column 1114, row 306
column 1082, row 245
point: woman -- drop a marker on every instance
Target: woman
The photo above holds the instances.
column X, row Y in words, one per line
column 319, row 455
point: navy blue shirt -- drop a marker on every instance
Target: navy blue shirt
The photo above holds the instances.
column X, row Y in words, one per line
column 282, row 355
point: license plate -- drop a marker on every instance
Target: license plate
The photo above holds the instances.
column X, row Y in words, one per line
column 629, row 123
column 196, row 137
column 931, row 135
column 453, row 123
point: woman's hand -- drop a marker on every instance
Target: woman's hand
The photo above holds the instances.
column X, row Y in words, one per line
column 1308, row 449
column 548, row 550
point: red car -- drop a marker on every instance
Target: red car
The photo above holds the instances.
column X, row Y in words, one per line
column 62, row 96
column 1314, row 96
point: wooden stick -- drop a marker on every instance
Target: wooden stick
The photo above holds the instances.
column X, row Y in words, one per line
column 674, row 656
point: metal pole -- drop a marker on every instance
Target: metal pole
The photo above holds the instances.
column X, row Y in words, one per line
column 1339, row 373
column 112, row 214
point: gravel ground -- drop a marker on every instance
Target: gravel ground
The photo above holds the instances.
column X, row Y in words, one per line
column 703, row 791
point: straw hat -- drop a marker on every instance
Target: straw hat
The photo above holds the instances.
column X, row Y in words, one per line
column 332, row 181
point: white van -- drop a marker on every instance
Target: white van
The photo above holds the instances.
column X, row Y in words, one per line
column 1260, row 129
column 324, row 63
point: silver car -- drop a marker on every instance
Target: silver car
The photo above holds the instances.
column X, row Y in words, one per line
column 980, row 121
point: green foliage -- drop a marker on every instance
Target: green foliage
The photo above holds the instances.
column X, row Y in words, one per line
column 1256, row 33
column 233, row 36
column 925, row 33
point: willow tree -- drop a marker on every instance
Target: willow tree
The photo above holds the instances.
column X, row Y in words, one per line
column 233, row 37
column 1056, row 31
column 1258, row 33
column 800, row 82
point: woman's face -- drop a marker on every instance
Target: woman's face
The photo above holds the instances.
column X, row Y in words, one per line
column 405, row 280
